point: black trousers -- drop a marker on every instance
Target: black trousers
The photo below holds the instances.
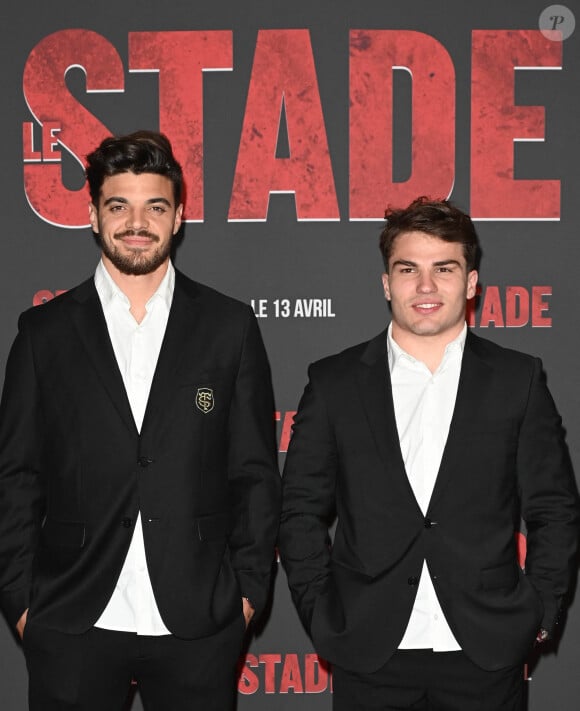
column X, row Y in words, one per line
column 423, row 680
column 93, row 671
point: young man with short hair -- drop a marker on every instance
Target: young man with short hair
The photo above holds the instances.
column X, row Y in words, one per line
column 139, row 491
column 428, row 443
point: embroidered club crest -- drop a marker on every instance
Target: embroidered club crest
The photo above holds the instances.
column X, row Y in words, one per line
column 204, row 400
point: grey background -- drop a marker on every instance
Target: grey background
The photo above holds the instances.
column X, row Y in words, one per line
column 282, row 258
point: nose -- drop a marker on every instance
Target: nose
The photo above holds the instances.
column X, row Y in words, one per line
column 426, row 283
column 137, row 219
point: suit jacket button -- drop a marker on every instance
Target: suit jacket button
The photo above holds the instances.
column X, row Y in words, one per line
column 127, row 522
column 413, row 580
column 428, row 523
column 144, row 461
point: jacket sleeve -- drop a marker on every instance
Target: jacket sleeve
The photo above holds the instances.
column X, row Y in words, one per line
column 21, row 488
column 308, row 501
column 253, row 475
column 549, row 499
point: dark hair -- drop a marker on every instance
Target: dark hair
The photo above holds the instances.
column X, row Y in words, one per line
column 438, row 218
column 139, row 152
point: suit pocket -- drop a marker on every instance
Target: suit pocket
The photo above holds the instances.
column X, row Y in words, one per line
column 61, row 545
column 500, row 577
column 213, row 527
column 63, row 534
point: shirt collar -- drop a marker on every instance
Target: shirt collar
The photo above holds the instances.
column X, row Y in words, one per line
column 395, row 352
column 108, row 290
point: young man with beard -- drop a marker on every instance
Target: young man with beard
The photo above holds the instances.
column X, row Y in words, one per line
column 139, row 491
column 428, row 443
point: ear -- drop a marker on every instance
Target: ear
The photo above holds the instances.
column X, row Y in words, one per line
column 471, row 284
column 178, row 218
column 93, row 218
column 386, row 289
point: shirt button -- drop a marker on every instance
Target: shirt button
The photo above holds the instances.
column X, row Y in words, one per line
column 127, row 522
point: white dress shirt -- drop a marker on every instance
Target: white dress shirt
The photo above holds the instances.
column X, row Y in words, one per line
column 132, row 607
column 424, row 404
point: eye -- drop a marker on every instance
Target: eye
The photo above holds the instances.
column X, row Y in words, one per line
column 117, row 208
column 158, row 209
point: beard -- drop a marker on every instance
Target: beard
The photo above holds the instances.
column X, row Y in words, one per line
column 135, row 261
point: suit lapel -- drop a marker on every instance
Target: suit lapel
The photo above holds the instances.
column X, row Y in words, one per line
column 91, row 327
column 376, row 393
column 471, row 391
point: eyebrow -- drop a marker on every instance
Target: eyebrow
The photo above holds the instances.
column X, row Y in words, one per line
column 150, row 201
column 404, row 263
column 445, row 262
column 440, row 263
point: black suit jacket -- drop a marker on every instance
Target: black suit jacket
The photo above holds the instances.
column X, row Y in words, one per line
column 75, row 472
column 505, row 457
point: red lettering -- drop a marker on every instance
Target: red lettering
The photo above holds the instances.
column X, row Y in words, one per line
column 50, row 141
column 517, row 306
column 283, row 79
column 284, row 83
column 248, row 682
column 314, row 677
column 496, row 122
column 522, row 306
column 491, row 311
column 315, row 674
column 29, row 154
column 291, row 676
column 181, row 58
column 44, row 85
column 374, row 54
column 269, row 661
column 540, row 305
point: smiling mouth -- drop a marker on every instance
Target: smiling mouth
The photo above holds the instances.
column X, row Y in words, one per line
column 137, row 240
column 137, row 236
column 427, row 307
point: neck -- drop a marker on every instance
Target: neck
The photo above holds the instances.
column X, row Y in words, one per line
column 428, row 349
column 137, row 288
